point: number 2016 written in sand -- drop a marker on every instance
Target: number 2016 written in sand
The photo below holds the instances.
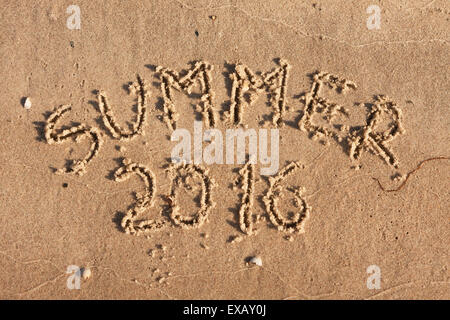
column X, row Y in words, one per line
column 374, row 136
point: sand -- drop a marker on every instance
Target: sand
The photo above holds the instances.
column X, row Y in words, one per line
column 86, row 179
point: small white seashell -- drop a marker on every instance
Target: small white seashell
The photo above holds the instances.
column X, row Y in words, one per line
column 27, row 103
column 86, row 273
column 256, row 260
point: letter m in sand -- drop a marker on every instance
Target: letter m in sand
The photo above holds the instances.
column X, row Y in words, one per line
column 247, row 85
column 200, row 73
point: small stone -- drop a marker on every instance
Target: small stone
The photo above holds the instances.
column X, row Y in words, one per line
column 86, row 273
column 27, row 103
column 256, row 260
column 121, row 148
column 289, row 238
column 397, row 177
column 235, row 239
column 161, row 279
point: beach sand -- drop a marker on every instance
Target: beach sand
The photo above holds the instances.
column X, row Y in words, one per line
column 377, row 200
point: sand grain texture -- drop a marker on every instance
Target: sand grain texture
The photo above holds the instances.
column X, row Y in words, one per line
column 382, row 108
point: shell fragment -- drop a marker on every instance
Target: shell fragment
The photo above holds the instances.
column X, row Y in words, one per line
column 27, row 103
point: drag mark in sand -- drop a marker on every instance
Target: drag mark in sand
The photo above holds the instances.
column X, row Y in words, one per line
column 53, row 136
column 182, row 175
column 200, row 73
column 273, row 195
column 421, row 163
column 245, row 82
column 144, row 201
column 139, row 89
